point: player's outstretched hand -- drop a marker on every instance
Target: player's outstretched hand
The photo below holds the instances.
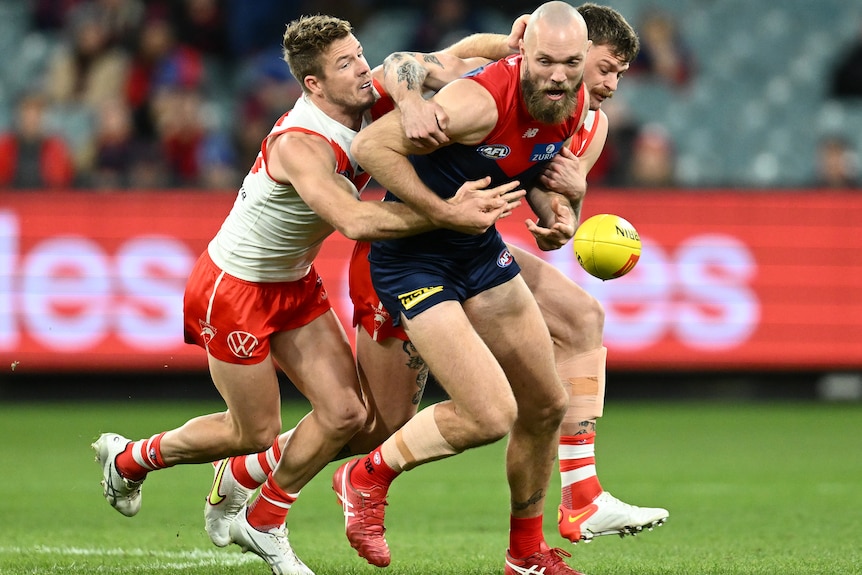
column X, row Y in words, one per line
column 563, row 176
column 561, row 230
column 424, row 122
column 475, row 207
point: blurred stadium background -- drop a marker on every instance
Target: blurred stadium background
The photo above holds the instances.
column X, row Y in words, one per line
column 751, row 280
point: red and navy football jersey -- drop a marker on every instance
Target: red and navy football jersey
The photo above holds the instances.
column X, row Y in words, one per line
column 517, row 148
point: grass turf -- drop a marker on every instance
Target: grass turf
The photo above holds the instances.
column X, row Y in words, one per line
column 751, row 489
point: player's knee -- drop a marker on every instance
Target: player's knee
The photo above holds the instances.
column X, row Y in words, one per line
column 545, row 414
column 345, row 421
column 554, row 410
column 353, row 421
column 586, row 315
column 557, row 408
column 260, row 438
column 494, row 423
column 593, row 316
column 578, row 326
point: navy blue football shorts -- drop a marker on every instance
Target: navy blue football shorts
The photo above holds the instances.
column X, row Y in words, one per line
column 413, row 281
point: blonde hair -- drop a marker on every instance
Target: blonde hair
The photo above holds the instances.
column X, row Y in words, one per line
column 306, row 39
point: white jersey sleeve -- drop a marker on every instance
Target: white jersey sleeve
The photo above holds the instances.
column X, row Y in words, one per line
column 271, row 235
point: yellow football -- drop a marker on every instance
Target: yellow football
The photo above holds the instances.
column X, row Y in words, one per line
column 607, row 246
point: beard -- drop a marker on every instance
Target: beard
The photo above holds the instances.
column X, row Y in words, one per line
column 355, row 103
column 540, row 107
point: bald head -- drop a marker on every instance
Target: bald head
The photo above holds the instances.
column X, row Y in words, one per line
column 555, row 23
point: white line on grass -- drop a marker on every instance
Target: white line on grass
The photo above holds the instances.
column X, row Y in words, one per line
column 163, row 559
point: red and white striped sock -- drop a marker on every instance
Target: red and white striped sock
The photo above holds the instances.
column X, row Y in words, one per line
column 270, row 508
column 252, row 470
column 140, row 457
column 580, row 484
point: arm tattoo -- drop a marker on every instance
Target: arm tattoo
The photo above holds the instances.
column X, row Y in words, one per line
column 408, row 72
column 391, row 60
column 432, row 59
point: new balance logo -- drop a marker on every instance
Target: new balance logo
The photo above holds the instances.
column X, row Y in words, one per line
column 531, row 133
column 415, row 297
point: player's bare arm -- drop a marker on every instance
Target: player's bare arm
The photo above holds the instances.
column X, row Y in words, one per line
column 557, row 219
column 415, row 73
column 493, row 46
column 566, row 175
column 382, row 148
column 557, row 226
column 306, row 161
column 471, row 109
column 407, row 76
column 572, row 183
column 556, row 199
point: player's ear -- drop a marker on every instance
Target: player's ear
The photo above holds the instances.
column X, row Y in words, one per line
column 312, row 84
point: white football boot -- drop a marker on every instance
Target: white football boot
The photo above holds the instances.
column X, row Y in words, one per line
column 607, row 515
column 123, row 495
column 271, row 546
column 225, row 499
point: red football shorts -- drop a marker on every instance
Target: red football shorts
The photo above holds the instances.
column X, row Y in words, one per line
column 233, row 319
column 368, row 311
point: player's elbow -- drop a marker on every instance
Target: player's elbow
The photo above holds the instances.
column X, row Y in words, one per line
column 359, row 227
column 396, row 59
column 352, row 230
column 359, row 147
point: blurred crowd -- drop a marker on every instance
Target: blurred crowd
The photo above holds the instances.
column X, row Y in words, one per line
column 153, row 94
column 138, row 94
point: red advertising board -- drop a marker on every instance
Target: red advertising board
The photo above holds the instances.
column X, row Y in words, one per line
column 728, row 280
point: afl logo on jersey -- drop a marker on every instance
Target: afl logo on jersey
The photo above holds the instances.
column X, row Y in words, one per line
column 494, row 151
column 505, row 259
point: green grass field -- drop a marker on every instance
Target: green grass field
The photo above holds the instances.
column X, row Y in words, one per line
column 751, row 489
